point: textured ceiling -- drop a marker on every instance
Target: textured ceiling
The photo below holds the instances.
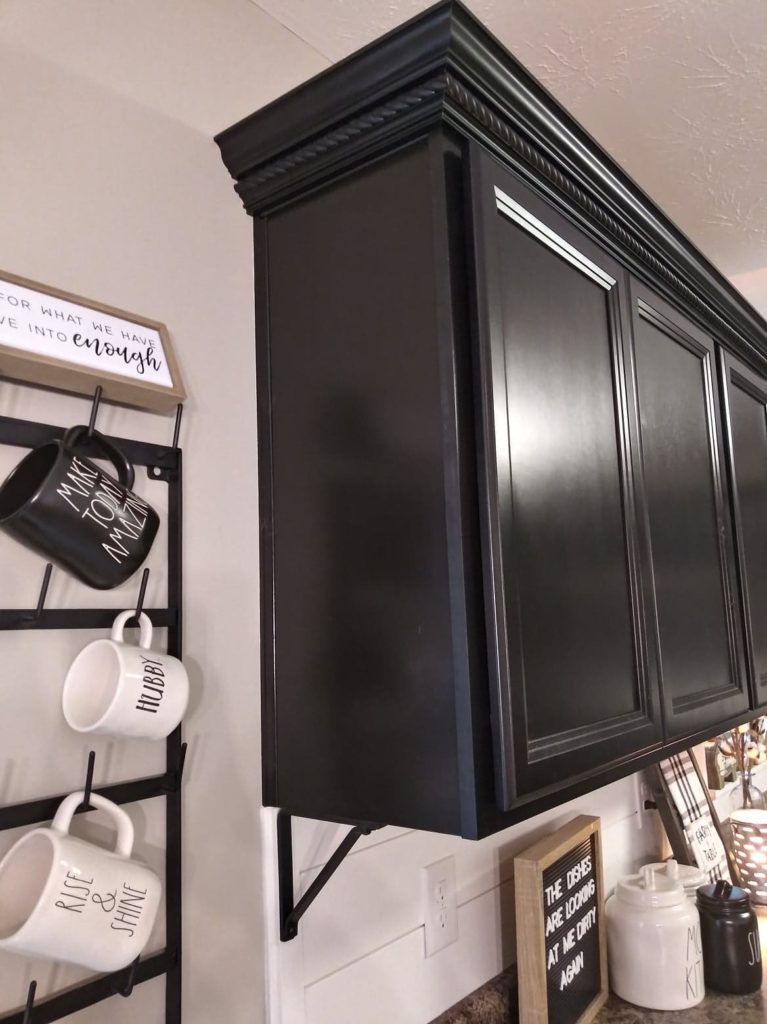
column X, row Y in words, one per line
column 675, row 90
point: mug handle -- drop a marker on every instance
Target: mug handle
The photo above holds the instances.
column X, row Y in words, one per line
column 125, row 471
column 145, row 629
column 62, row 822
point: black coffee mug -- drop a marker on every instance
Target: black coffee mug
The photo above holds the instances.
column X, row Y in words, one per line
column 61, row 505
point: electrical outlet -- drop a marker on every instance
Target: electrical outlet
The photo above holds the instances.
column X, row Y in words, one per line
column 439, row 906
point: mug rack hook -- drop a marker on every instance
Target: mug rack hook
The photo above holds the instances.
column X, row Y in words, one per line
column 34, row 616
column 141, row 596
column 177, row 426
column 44, row 590
column 126, row 991
column 28, row 1009
column 95, row 410
column 181, row 763
column 86, row 804
column 174, row 783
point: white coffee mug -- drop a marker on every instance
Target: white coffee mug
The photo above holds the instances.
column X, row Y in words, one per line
column 64, row 899
column 119, row 689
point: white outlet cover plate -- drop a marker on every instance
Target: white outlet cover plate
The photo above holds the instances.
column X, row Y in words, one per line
column 439, row 905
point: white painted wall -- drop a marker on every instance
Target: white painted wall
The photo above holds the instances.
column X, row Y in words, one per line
column 360, row 955
column 106, row 198
column 109, row 199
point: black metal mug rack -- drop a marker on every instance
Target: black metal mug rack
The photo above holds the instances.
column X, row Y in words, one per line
column 162, row 463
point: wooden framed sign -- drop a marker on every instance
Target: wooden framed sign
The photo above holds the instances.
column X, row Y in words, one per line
column 58, row 340
column 689, row 817
column 561, row 945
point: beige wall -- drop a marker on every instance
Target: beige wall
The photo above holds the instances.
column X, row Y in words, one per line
column 108, row 199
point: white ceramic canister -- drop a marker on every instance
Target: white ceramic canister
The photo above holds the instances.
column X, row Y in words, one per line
column 653, row 943
column 689, row 877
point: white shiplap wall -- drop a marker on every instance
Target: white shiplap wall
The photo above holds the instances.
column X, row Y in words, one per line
column 359, row 955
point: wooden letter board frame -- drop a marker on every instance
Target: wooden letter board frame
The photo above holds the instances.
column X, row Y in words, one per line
column 63, row 374
column 529, row 870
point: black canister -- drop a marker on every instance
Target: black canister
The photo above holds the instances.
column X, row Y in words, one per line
column 732, row 959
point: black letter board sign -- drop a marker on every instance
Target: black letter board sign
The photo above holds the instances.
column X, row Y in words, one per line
column 561, row 951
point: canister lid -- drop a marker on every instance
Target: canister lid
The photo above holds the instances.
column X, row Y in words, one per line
column 688, row 876
column 650, row 889
column 722, row 897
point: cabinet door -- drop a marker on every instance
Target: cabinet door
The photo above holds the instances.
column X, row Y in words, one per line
column 702, row 671
column 573, row 679
column 745, row 403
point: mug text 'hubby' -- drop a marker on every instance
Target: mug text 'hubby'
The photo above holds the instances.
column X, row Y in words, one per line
column 120, row 689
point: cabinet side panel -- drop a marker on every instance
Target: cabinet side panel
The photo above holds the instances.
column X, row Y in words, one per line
column 365, row 710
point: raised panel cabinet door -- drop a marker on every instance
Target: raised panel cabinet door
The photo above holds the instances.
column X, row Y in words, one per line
column 745, row 405
column 573, row 678
column 702, row 670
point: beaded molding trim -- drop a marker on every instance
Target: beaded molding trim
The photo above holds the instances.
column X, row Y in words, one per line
column 483, row 115
column 251, row 187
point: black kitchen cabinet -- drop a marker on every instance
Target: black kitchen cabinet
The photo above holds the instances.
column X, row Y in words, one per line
column 498, row 557
column 367, row 568
column 698, row 618
column 575, row 683
column 745, row 405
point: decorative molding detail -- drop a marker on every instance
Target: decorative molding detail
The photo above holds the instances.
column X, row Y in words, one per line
column 482, row 114
column 394, row 108
column 253, row 186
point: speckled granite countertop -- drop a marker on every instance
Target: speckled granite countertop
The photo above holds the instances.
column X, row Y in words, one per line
column 496, row 1003
column 715, row 1009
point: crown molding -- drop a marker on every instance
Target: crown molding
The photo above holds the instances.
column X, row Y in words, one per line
column 389, row 67
column 442, row 68
column 597, row 212
column 420, row 106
